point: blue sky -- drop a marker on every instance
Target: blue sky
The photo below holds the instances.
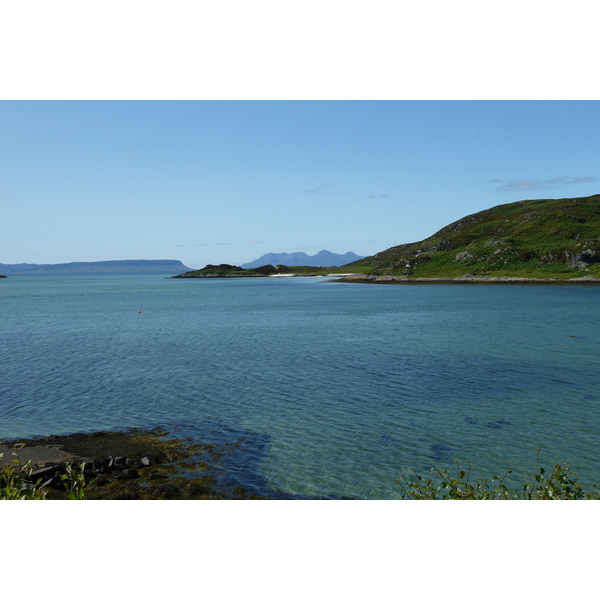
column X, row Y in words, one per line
column 227, row 181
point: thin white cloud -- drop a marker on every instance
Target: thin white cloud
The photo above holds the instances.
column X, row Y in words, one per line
column 316, row 189
column 557, row 181
column 520, row 185
column 252, row 242
column 524, row 185
column 378, row 196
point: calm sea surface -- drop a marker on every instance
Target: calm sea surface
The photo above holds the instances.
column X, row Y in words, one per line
column 323, row 389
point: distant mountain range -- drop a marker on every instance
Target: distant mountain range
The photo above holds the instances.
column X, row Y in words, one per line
column 301, row 259
column 166, row 267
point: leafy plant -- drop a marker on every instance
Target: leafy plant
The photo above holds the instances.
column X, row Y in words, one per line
column 16, row 482
column 441, row 485
column 75, row 482
column 559, row 484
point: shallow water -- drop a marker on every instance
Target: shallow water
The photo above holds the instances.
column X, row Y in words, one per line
column 330, row 390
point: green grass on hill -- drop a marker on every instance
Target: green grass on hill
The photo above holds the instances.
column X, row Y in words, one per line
column 533, row 238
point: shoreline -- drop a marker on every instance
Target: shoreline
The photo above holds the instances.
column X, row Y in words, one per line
column 466, row 280
column 130, row 464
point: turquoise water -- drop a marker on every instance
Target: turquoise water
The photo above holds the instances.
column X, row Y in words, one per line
column 330, row 390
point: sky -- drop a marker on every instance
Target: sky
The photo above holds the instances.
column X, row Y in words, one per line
column 208, row 181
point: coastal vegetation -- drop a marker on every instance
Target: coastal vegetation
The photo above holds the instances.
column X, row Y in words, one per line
column 161, row 467
column 441, row 484
column 222, row 270
column 20, row 481
column 533, row 239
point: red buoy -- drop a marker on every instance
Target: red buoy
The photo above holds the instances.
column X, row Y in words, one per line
column 139, row 311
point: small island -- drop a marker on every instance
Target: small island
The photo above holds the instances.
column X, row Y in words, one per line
column 224, row 270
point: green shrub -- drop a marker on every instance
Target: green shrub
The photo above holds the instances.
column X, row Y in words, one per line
column 16, row 482
column 560, row 484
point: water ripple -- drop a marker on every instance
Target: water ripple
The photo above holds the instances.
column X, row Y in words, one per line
column 339, row 387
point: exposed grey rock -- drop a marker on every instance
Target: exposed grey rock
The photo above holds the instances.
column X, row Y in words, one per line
column 548, row 258
column 584, row 278
column 117, row 462
column 582, row 259
column 440, row 246
column 463, row 256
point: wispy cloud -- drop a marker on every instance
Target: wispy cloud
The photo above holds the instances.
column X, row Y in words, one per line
column 524, row 185
column 316, row 189
column 378, row 196
column 252, row 242
column 584, row 180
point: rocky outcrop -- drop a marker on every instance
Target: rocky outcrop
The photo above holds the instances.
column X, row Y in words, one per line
column 125, row 465
column 582, row 259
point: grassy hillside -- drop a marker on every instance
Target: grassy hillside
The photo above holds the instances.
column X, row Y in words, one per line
column 532, row 238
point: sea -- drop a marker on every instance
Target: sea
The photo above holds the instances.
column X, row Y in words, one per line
column 316, row 389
